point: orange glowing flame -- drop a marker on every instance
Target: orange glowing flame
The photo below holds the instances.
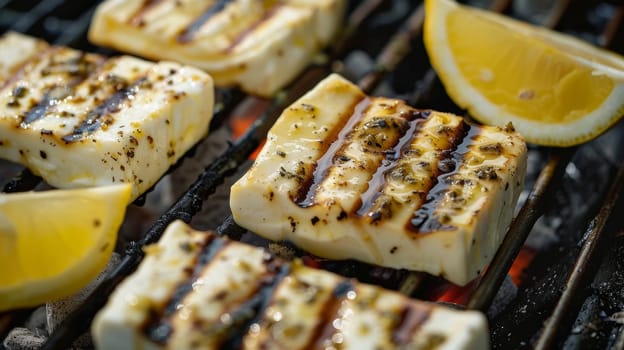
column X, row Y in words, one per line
column 523, row 260
column 451, row 293
column 244, row 117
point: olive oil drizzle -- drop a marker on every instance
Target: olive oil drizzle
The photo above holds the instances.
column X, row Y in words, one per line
column 102, row 114
column 377, row 182
column 307, row 192
column 188, row 34
column 79, row 68
column 158, row 326
column 424, row 219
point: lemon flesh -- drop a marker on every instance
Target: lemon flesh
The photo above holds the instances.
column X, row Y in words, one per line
column 53, row 243
column 556, row 90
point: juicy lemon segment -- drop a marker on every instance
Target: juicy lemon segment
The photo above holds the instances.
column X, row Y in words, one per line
column 555, row 89
column 53, row 243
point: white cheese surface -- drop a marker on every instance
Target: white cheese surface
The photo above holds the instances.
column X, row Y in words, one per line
column 345, row 176
column 82, row 120
column 193, row 290
column 257, row 45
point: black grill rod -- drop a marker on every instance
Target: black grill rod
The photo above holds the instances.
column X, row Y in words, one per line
column 619, row 342
column 414, row 279
column 191, row 201
column 583, row 269
column 520, row 228
column 556, row 13
column 39, row 11
column 588, row 258
column 395, row 51
column 230, row 228
column 422, row 93
column 401, row 43
column 614, row 28
column 532, row 209
column 356, row 18
column 76, row 28
column 183, row 209
column 391, row 55
column 26, row 180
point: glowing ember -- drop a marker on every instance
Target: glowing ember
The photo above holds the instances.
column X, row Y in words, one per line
column 311, row 262
column 450, row 293
column 523, row 260
column 244, row 117
column 447, row 292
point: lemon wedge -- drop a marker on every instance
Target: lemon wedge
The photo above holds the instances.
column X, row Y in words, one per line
column 53, row 243
column 555, row 89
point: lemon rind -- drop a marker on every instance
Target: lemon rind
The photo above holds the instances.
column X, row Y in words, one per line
column 485, row 111
column 85, row 268
column 559, row 41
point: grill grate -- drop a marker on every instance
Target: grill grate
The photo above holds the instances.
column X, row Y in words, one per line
column 65, row 23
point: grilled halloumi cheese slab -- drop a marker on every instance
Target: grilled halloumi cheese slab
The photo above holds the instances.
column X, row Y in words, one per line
column 259, row 45
column 79, row 119
column 344, row 175
column 196, row 291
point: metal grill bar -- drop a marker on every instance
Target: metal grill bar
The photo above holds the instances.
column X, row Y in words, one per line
column 71, row 34
column 191, row 201
column 42, row 9
column 557, row 12
column 391, row 55
column 422, row 94
column 532, row 209
column 395, row 51
column 588, row 259
column 413, row 280
column 614, row 28
column 584, row 267
column 24, row 181
column 519, row 230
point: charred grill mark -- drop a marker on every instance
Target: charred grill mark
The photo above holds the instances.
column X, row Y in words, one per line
column 412, row 317
column 80, row 69
column 424, row 220
column 236, row 322
column 27, row 65
column 40, row 109
column 341, row 134
column 325, row 328
column 257, row 305
column 244, row 34
column 239, row 311
column 377, row 182
column 157, row 326
column 137, row 18
column 97, row 117
column 188, row 34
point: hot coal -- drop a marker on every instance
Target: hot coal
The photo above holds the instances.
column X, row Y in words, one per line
column 565, row 225
column 601, row 318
